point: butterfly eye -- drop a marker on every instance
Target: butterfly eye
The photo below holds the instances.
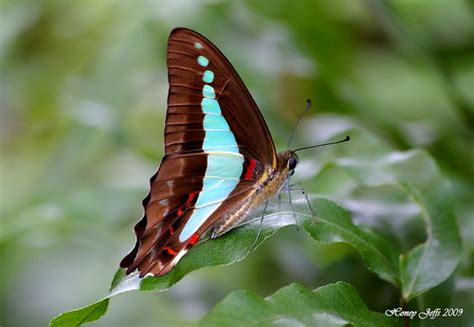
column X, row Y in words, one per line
column 292, row 163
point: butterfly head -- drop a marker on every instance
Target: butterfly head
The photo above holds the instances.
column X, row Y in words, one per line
column 288, row 161
column 292, row 162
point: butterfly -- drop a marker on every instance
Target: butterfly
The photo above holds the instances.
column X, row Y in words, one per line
column 220, row 159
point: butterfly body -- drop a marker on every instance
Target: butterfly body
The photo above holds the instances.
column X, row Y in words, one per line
column 268, row 186
column 219, row 163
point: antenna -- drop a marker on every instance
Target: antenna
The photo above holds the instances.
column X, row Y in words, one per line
column 308, row 106
column 316, row 146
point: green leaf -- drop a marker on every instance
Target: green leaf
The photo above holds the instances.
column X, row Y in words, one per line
column 433, row 261
column 227, row 249
column 370, row 164
column 77, row 317
column 414, row 173
column 234, row 246
column 336, row 304
column 333, row 224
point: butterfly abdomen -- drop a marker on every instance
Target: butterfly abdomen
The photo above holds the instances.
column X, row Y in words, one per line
column 267, row 187
column 232, row 218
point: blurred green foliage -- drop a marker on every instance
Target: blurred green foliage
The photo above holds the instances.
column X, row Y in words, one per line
column 83, row 97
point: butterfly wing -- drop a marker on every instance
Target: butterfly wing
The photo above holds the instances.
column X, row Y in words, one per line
column 217, row 146
column 193, row 62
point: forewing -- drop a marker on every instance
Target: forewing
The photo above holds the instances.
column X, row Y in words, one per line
column 194, row 63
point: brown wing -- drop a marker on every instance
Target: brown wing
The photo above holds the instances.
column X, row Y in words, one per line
column 178, row 185
column 185, row 96
column 170, row 205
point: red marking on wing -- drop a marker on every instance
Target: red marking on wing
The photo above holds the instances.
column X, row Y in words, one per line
column 191, row 197
column 193, row 239
column 249, row 170
column 189, row 202
column 170, row 251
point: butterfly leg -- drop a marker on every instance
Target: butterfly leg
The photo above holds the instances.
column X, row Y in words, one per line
column 279, row 202
column 297, row 187
column 254, row 245
column 288, row 188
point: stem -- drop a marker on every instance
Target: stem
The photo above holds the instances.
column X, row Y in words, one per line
column 406, row 319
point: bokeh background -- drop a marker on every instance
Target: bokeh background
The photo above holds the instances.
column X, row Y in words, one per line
column 83, row 98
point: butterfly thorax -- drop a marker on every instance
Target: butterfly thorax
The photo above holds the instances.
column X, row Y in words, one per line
column 269, row 184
